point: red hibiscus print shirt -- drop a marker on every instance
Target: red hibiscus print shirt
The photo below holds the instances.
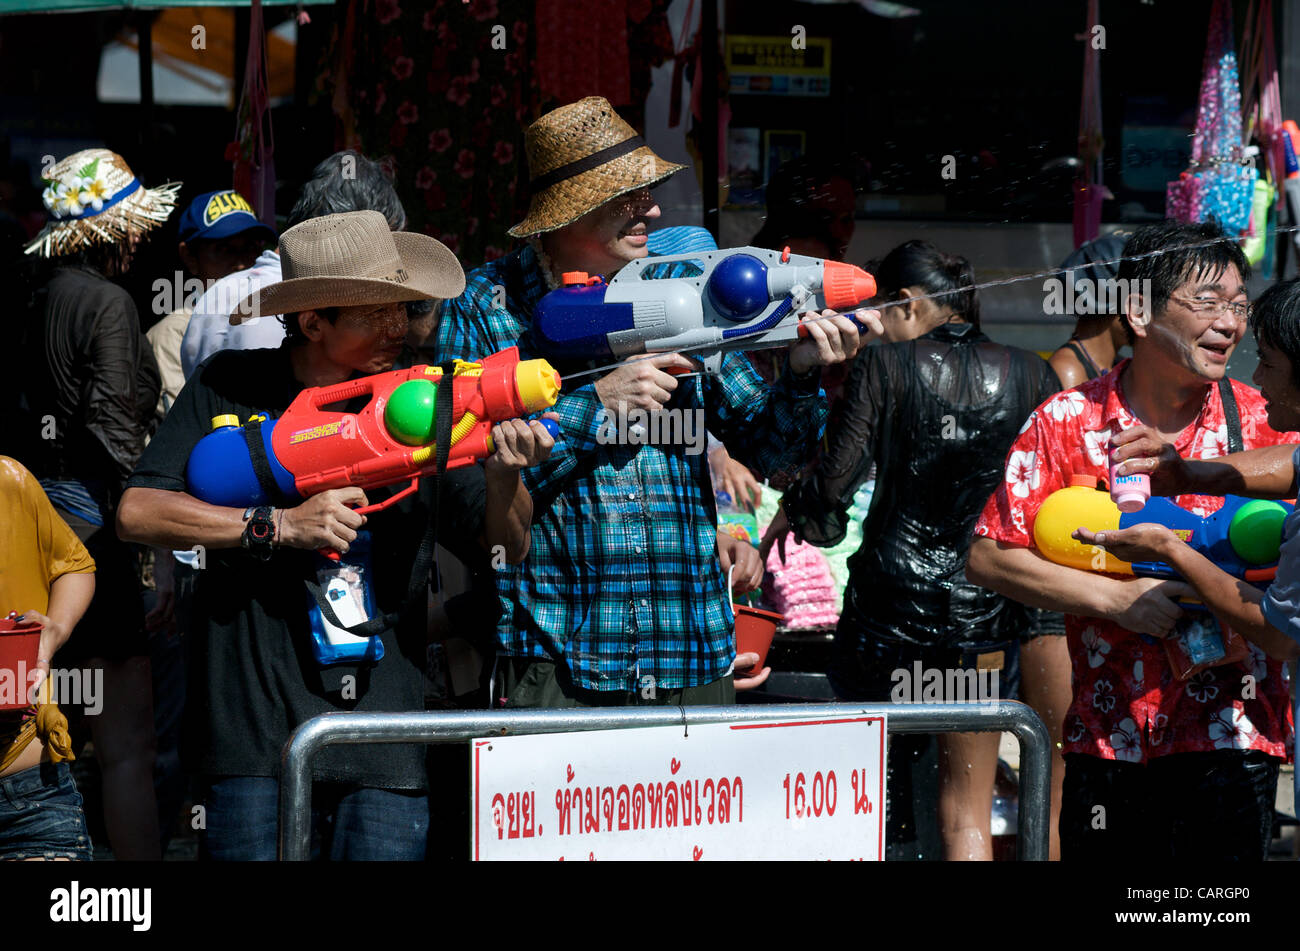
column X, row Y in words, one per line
column 1128, row 705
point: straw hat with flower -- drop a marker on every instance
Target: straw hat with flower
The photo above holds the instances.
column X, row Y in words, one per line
column 93, row 197
column 579, row 157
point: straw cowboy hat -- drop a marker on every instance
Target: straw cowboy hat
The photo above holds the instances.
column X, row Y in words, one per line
column 579, row 157
column 350, row 259
column 93, row 197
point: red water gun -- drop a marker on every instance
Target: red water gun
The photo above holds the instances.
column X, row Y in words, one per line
column 311, row 447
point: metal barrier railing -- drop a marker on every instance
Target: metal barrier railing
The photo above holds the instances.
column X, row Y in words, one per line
column 452, row 726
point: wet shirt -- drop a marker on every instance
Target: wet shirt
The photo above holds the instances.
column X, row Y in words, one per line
column 622, row 580
column 935, row 415
column 91, row 379
column 1128, row 705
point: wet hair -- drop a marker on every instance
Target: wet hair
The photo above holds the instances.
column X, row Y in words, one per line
column 293, row 330
column 1214, row 253
column 1275, row 321
column 920, row 264
column 348, row 181
column 791, row 193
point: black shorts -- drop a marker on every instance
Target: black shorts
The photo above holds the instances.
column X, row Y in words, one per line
column 886, row 672
column 113, row 626
column 1043, row 622
column 1207, row 807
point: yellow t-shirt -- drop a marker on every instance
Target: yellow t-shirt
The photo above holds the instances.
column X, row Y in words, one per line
column 36, row 547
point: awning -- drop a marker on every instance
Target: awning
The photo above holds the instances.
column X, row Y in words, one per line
column 91, row 6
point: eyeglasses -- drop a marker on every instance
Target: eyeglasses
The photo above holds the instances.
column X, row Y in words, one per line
column 1217, row 306
column 419, row 308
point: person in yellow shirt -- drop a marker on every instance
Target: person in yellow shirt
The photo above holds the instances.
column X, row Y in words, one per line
column 47, row 575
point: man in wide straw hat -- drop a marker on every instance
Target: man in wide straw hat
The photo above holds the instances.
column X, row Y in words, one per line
column 346, row 280
column 622, row 598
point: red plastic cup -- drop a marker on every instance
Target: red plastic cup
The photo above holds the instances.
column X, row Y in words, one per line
column 754, row 631
column 19, row 643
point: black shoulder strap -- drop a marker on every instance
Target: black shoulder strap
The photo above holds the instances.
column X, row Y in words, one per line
column 262, row 464
column 1089, row 366
column 426, row 557
column 1231, row 415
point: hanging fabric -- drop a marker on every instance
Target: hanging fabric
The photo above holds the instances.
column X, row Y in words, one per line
column 1220, row 183
column 1089, row 190
column 1262, row 112
column 254, row 145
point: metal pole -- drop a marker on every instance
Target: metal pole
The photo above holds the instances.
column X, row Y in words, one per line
column 332, row 728
column 709, row 113
column 144, row 57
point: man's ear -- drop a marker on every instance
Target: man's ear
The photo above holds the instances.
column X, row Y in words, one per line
column 311, row 323
column 1137, row 308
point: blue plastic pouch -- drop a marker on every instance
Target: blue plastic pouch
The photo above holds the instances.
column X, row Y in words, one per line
column 347, row 585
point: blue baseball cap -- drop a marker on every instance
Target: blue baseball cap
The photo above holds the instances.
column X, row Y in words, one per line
column 216, row 215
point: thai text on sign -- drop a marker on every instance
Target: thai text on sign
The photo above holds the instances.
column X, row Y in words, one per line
column 790, row 789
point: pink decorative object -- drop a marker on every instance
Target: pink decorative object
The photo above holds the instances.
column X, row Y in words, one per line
column 802, row 587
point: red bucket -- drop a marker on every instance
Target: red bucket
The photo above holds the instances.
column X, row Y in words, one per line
column 754, row 630
column 19, row 643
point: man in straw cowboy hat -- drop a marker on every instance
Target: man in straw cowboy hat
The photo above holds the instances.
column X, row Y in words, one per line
column 622, row 598
column 90, row 382
column 347, row 278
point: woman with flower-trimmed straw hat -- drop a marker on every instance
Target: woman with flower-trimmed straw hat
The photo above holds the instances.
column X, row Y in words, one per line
column 89, row 388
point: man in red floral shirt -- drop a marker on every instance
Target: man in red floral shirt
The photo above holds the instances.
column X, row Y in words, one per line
column 1155, row 767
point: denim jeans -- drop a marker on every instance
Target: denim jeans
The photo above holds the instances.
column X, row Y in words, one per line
column 40, row 815
column 355, row 824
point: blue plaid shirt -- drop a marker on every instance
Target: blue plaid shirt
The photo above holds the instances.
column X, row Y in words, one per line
column 623, row 579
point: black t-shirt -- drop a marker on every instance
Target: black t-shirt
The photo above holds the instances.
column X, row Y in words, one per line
column 252, row 675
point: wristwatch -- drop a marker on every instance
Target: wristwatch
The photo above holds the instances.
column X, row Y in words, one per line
column 259, row 532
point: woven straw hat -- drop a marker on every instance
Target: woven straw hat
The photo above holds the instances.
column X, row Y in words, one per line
column 579, row 157
column 93, row 197
column 352, row 258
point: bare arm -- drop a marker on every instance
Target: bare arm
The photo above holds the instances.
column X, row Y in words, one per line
column 1236, row 602
column 509, row 512
column 179, row 520
column 1261, row 473
column 70, row 596
column 176, row 520
column 509, row 507
column 1145, row 605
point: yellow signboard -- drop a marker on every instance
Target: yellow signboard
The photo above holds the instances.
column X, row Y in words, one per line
column 779, row 65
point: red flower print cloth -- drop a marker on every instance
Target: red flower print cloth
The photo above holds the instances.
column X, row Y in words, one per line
column 1127, row 703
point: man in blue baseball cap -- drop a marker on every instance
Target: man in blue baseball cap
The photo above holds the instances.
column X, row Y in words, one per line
column 219, row 235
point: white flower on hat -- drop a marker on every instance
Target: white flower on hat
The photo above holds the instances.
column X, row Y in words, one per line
column 67, row 200
column 51, row 198
column 94, row 191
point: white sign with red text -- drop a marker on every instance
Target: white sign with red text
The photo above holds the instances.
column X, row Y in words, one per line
column 792, row 789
